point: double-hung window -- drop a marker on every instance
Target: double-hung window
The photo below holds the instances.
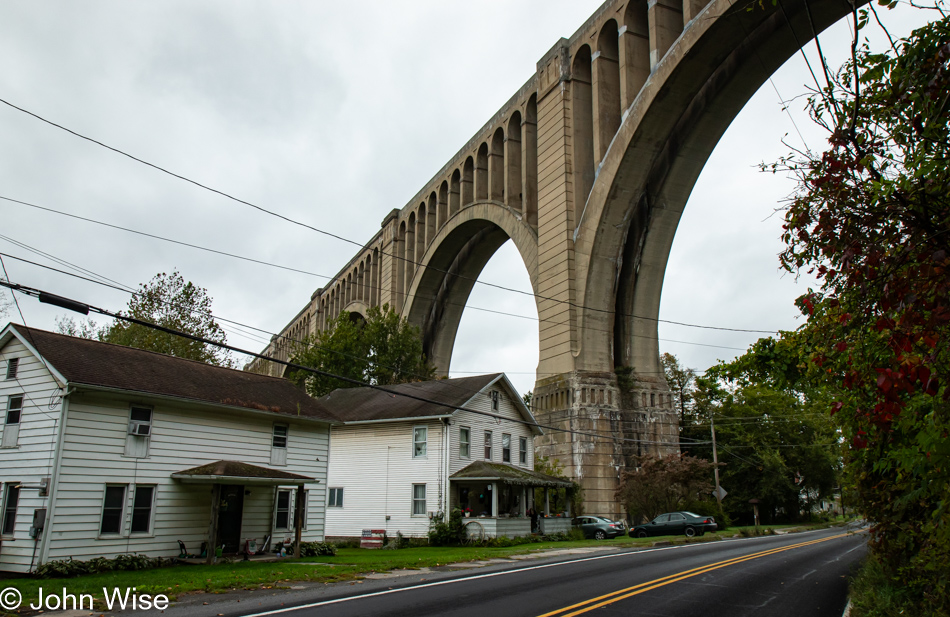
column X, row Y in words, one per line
column 11, row 496
column 278, row 451
column 523, row 450
column 113, row 509
column 505, row 448
column 140, row 421
column 494, row 400
column 487, row 445
column 139, row 433
column 418, row 499
column 419, row 435
column 142, row 501
column 335, row 499
column 465, row 442
column 282, row 511
column 11, row 426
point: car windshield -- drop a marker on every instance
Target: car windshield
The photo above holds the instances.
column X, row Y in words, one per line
column 691, row 514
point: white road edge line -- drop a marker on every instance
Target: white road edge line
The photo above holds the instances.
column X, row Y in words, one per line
column 478, row 576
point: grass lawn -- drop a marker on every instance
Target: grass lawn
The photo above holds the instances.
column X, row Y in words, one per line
column 348, row 564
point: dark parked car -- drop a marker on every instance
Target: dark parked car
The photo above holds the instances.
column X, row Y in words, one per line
column 598, row 527
column 675, row 523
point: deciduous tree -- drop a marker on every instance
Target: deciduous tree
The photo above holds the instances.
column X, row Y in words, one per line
column 383, row 349
column 168, row 301
column 667, row 484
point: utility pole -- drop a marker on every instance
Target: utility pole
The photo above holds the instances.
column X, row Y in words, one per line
column 712, row 428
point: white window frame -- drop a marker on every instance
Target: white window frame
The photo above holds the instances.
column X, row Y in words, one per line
column 523, row 450
column 102, row 510
column 7, row 487
column 416, row 453
column 13, row 365
column 151, row 509
column 277, row 440
column 417, row 501
column 279, row 443
column 290, row 509
column 335, row 497
column 505, row 452
column 488, row 446
column 467, row 442
column 137, row 446
column 11, row 430
column 494, row 400
column 141, row 408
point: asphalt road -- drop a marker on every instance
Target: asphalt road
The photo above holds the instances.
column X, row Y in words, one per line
column 791, row 575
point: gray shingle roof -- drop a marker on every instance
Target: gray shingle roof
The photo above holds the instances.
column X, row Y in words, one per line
column 368, row 404
column 236, row 469
column 83, row 361
column 507, row 474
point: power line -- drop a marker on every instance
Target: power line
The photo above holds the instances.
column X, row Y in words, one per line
column 163, row 239
column 127, row 289
column 381, row 288
column 365, row 246
column 287, row 338
column 85, row 309
column 120, row 287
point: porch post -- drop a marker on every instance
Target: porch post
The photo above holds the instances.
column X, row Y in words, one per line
column 298, row 518
column 547, row 502
column 494, row 499
column 213, row 526
column 524, row 502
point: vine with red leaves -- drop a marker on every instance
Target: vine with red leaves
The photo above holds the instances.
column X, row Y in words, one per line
column 871, row 218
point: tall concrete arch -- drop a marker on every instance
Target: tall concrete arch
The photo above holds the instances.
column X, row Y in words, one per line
column 587, row 169
column 440, row 291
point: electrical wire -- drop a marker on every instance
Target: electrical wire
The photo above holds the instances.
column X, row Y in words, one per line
column 83, row 308
column 120, row 287
column 381, row 288
column 366, row 246
column 287, row 339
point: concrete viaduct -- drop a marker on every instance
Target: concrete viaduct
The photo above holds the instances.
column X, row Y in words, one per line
column 587, row 169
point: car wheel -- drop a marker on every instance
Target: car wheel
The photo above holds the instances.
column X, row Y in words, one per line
column 641, row 534
column 599, row 535
column 690, row 532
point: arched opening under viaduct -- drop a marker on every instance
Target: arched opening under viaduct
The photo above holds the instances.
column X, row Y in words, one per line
column 505, row 340
column 456, row 258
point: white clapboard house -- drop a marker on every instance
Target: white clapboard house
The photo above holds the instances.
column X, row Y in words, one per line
column 106, row 450
column 397, row 461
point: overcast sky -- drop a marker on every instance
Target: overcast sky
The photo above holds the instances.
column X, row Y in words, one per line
column 333, row 114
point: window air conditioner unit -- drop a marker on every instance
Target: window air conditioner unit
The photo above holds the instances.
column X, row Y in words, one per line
column 139, row 428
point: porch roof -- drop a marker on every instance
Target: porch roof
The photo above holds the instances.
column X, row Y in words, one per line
column 507, row 474
column 235, row 472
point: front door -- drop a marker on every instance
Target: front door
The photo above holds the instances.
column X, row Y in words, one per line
column 230, row 514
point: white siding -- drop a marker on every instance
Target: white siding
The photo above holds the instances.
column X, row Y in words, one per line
column 373, row 463
column 32, row 459
column 182, row 437
column 479, row 424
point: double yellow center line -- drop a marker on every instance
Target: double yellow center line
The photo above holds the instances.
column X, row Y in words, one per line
column 622, row 594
